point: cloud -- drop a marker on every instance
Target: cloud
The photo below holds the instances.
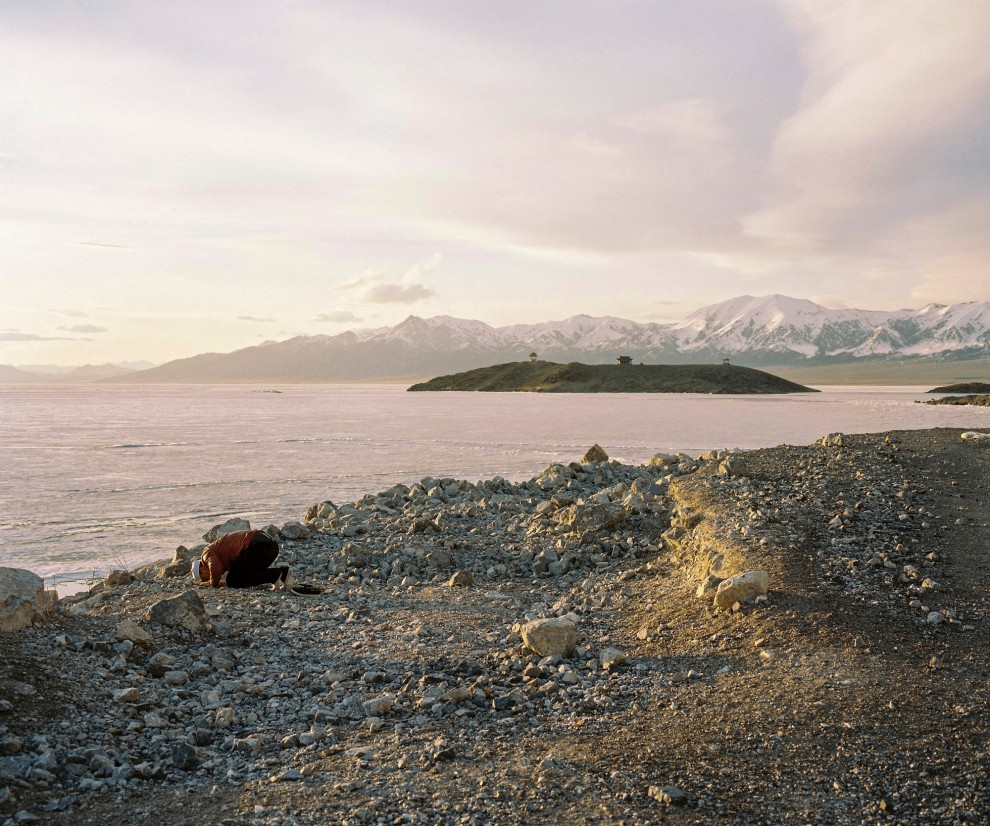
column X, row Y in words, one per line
column 892, row 95
column 951, row 241
column 254, row 318
column 337, row 317
column 83, row 328
column 686, row 123
column 100, row 244
column 372, row 276
column 792, row 147
column 376, row 287
column 419, row 269
column 398, row 294
column 14, row 335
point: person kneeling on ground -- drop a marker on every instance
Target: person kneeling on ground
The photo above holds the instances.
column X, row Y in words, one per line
column 241, row 560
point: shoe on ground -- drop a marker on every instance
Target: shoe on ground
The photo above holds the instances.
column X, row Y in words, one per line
column 194, row 570
column 302, row 590
column 289, row 580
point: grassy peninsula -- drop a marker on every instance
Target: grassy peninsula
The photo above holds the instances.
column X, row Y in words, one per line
column 978, row 387
column 550, row 377
column 976, row 393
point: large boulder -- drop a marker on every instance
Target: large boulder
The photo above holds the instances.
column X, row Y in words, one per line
column 23, row 599
column 177, row 566
column 295, row 530
column 588, row 519
column 742, row 587
column 185, row 611
column 230, row 526
column 595, row 454
column 549, row 637
column 321, row 510
column 734, row 466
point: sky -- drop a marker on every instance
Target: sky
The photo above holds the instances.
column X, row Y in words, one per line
column 183, row 177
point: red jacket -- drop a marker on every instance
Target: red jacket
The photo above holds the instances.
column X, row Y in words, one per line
column 219, row 556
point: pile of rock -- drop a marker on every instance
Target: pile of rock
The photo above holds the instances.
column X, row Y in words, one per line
column 459, row 620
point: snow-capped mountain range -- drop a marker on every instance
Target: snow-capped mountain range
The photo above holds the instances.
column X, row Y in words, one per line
column 764, row 331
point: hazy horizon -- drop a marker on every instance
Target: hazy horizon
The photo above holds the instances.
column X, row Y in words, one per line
column 186, row 178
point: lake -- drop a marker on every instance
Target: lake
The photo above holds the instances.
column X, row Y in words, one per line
column 96, row 477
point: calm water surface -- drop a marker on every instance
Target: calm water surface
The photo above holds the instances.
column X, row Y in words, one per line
column 95, row 477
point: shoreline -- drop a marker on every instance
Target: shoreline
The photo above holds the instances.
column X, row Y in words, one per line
column 132, row 526
column 414, row 689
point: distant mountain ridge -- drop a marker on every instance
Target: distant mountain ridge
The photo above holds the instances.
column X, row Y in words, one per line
column 765, row 331
column 50, row 374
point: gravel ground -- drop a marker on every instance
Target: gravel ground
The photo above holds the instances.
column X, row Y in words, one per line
column 854, row 691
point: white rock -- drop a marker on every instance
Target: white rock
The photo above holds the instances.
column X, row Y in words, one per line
column 548, row 637
column 126, row 695
column 23, row 599
column 742, row 587
column 153, row 720
column 611, row 658
column 379, row 706
column 230, row 526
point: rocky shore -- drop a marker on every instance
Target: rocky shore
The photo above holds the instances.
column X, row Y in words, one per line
column 973, row 399
column 789, row 635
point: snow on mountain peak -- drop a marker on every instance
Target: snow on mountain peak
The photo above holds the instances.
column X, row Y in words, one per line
column 768, row 328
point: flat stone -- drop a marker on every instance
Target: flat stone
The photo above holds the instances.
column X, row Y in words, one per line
column 669, row 795
column 126, row 695
column 587, row 519
column 130, row 630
